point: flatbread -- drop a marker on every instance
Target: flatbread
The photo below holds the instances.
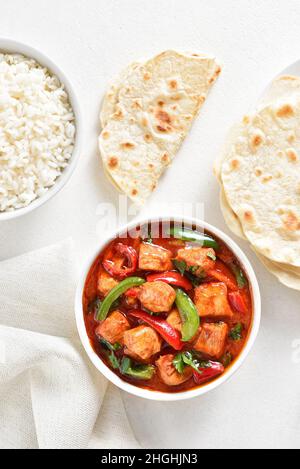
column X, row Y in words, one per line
column 287, row 278
column 284, row 87
column 286, row 274
column 153, row 112
column 262, row 181
column 110, row 100
column 234, row 224
column 109, row 106
column 230, row 217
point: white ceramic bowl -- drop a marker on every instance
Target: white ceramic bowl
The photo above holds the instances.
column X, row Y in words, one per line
column 154, row 395
column 11, row 46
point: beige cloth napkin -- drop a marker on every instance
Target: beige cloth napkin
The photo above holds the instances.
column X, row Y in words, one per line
column 50, row 394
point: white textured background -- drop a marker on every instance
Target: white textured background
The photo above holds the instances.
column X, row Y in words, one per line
column 92, row 40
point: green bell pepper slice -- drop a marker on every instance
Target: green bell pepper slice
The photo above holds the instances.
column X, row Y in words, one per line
column 189, row 315
column 193, row 236
column 115, row 293
column 142, row 372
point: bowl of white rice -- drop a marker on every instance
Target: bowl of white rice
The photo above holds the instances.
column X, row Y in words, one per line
column 40, row 129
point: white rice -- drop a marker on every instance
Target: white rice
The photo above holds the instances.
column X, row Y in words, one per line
column 37, row 130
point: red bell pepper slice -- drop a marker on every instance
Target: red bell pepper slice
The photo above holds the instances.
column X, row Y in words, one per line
column 206, row 374
column 237, row 301
column 223, row 274
column 172, row 278
column 132, row 293
column 130, row 254
column 225, row 255
column 167, row 332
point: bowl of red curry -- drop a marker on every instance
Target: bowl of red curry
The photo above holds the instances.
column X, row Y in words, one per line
column 168, row 309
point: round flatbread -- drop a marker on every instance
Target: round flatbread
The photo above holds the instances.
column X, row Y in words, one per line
column 230, row 217
column 261, row 179
column 287, row 278
column 284, row 87
column 287, row 275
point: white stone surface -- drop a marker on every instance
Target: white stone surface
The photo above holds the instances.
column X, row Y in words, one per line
column 92, row 40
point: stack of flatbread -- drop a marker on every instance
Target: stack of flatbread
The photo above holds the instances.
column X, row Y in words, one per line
column 259, row 173
column 147, row 113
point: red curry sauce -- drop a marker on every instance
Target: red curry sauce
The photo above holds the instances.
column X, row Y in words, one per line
column 232, row 348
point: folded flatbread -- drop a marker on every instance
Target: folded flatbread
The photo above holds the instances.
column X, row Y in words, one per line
column 147, row 114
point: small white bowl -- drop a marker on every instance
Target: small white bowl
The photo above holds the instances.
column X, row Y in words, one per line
column 14, row 47
column 155, row 395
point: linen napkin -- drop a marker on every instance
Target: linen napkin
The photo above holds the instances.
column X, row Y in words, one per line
column 51, row 396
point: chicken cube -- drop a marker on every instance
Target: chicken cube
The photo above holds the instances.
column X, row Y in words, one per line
column 174, row 319
column 212, row 339
column 142, row 343
column 168, row 372
column 199, row 259
column 155, row 258
column 158, row 297
column 113, row 328
column 131, row 302
column 106, row 283
column 211, row 301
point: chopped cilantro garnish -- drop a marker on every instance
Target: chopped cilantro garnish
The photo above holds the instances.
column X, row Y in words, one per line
column 148, row 237
column 226, row 359
column 179, row 363
column 115, row 304
column 112, row 347
column 212, row 256
column 94, row 306
column 150, row 240
column 239, row 275
column 189, row 359
column 113, row 361
column 181, row 266
column 236, row 332
column 196, row 281
column 190, row 272
column 137, row 371
column 149, row 312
